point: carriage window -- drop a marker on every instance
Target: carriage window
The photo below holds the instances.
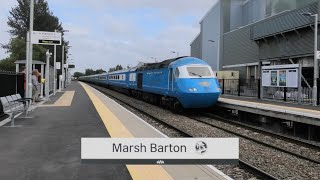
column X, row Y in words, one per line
column 198, row 71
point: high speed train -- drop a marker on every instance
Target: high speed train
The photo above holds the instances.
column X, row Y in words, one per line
column 180, row 83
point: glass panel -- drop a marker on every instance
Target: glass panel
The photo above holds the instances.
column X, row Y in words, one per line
column 199, row 71
column 177, row 72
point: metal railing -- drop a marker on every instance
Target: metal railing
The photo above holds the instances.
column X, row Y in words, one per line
column 288, row 94
column 240, row 87
column 251, row 88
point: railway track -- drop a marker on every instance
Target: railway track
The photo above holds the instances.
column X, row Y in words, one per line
column 302, row 142
column 242, row 164
column 256, row 140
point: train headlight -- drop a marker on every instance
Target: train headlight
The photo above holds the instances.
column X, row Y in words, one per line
column 218, row 89
column 193, row 89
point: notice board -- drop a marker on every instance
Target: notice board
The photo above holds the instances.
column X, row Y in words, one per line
column 280, row 76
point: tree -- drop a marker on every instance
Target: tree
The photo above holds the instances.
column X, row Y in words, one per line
column 89, row 72
column 18, row 52
column 18, row 21
column 100, row 71
column 7, row 64
column 117, row 68
column 78, row 74
column 44, row 20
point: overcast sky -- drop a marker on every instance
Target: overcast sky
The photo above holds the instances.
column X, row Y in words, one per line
column 104, row 33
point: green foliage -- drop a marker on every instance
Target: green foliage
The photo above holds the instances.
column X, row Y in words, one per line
column 89, row 72
column 44, row 20
column 117, row 68
column 7, row 65
column 100, row 71
column 18, row 21
column 17, row 48
column 78, row 74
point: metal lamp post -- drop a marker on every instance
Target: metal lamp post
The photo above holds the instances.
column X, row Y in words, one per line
column 47, row 78
column 55, row 66
column 28, row 93
column 62, row 62
column 63, row 71
column 67, row 71
column 315, row 60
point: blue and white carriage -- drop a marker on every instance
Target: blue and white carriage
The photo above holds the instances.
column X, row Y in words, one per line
column 185, row 82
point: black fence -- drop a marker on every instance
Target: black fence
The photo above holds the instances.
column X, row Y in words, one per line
column 251, row 88
column 241, row 87
column 11, row 83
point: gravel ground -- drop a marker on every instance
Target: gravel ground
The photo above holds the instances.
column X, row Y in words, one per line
column 278, row 164
column 289, row 146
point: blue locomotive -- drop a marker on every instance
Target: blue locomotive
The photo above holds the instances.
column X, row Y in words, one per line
column 184, row 82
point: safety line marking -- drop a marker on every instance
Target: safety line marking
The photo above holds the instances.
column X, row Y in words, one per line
column 117, row 130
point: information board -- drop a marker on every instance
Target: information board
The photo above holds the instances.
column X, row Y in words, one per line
column 46, row 38
column 280, row 76
column 58, row 65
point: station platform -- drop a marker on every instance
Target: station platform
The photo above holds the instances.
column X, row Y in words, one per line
column 47, row 146
column 305, row 114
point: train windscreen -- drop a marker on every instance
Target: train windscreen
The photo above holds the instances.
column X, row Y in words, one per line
column 199, row 71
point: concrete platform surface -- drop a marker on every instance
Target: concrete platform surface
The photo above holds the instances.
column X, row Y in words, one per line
column 48, row 145
column 294, row 112
column 272, row 102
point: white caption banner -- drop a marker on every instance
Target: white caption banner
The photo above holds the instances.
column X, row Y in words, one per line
column 166, row 150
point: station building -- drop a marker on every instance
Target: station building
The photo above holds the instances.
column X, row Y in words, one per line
column 237, row 35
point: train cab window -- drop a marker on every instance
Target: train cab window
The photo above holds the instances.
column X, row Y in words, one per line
column 198, row 71
column 177, row 73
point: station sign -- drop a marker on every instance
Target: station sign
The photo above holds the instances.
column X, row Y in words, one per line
column 46, row 38
column 160, row 150
column 71, row 66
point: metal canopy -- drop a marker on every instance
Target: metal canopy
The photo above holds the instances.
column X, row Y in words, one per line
column 33, row 62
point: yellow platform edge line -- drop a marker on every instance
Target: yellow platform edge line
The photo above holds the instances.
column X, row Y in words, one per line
column 117, row 130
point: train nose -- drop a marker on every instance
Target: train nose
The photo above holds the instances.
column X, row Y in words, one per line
column 199, row 100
